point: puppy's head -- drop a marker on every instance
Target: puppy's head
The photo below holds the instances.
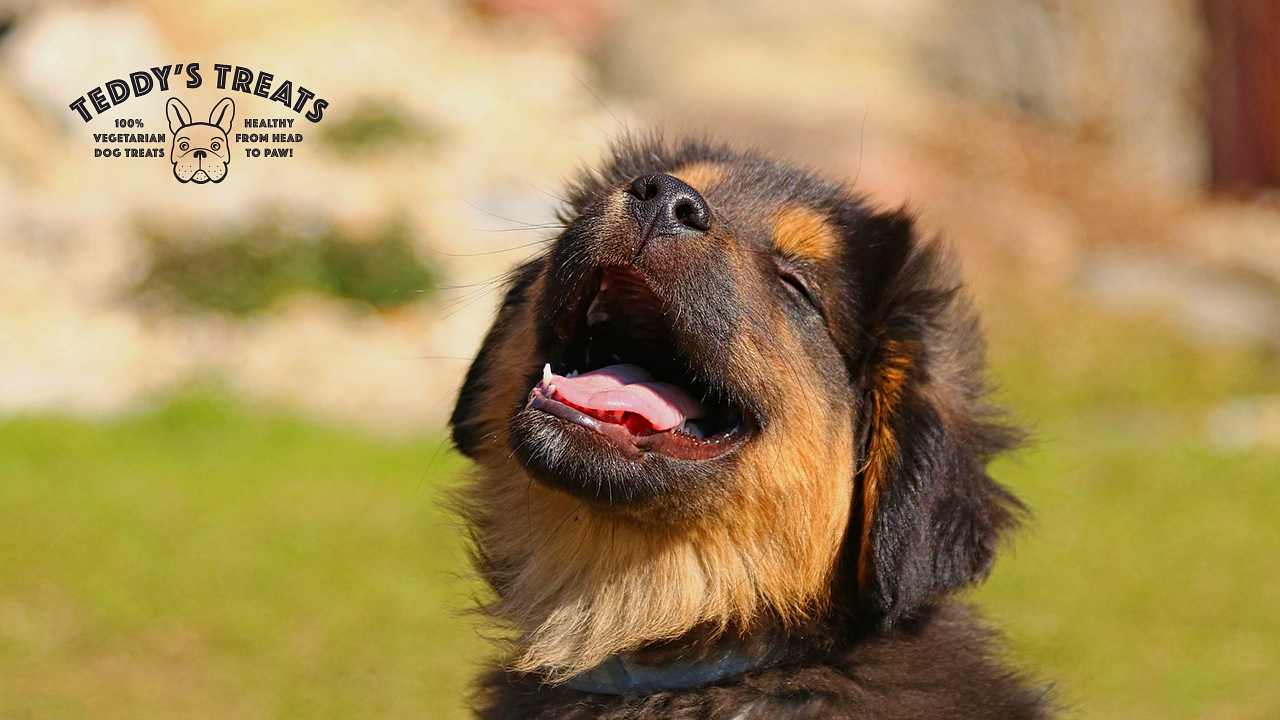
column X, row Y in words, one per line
column 200, row 151
column 727, row 392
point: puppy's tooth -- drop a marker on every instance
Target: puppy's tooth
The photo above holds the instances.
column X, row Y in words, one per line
column 546, row 374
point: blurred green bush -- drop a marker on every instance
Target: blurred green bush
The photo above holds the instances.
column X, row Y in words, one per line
column 247, row 270
column 374, row 125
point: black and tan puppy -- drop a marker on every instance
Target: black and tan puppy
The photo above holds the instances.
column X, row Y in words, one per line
column 732, row 440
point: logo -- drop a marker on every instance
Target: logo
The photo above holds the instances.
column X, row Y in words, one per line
column 200, row 151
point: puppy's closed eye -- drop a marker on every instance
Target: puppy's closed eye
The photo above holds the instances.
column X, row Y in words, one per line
column 801, row 288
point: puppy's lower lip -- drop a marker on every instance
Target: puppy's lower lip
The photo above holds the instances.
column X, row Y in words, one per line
column 671, row 443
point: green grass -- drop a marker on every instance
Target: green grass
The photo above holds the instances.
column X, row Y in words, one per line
column 1148, row 585
column 206, row 560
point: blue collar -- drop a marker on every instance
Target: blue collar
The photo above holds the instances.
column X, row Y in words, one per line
column 623, row 673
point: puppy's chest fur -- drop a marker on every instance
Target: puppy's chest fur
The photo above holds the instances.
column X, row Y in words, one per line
column 938, row 665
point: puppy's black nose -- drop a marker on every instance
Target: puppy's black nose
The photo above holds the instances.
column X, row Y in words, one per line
column 199, row 154
column 669, row 205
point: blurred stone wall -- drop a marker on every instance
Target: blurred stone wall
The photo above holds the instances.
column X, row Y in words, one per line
column 1128, row 75
column 1039, row 128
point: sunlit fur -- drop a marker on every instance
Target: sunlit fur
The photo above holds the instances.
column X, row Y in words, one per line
column 580, row 583
column 844, row 525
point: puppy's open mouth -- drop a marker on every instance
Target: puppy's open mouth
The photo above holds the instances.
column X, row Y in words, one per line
column 619, row 373
column 200, row 176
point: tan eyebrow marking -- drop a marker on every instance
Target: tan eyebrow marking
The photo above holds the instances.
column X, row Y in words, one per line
column 699, row 176
column 803, row 232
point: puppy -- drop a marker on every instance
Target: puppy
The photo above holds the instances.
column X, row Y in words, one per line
column 200, row 152
column 731, row 444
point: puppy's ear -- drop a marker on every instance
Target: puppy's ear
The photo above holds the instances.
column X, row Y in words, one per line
column 222, row 114
column 479, row 415
column 927, row 515
column 177, row 113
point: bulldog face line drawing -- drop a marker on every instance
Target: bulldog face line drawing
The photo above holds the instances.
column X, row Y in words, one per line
column 200, row 151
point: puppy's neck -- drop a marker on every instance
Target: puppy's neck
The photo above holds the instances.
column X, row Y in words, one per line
column 675, row 665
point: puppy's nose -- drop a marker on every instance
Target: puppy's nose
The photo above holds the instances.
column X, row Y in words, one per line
column 669, row 205
column 200, row 154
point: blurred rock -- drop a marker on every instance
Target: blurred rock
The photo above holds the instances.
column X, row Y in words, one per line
column 55, row 53
column 1246, row 424
column 1211, row 306
column 1244, row 236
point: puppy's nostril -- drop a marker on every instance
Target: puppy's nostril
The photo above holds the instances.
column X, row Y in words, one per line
column 692, row 215
column 644, row 188
column 200, row 154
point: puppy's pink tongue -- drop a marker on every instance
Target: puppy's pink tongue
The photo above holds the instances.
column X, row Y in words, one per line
column 624, row 388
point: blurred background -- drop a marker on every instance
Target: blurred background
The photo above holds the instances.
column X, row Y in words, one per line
column 221, row 407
